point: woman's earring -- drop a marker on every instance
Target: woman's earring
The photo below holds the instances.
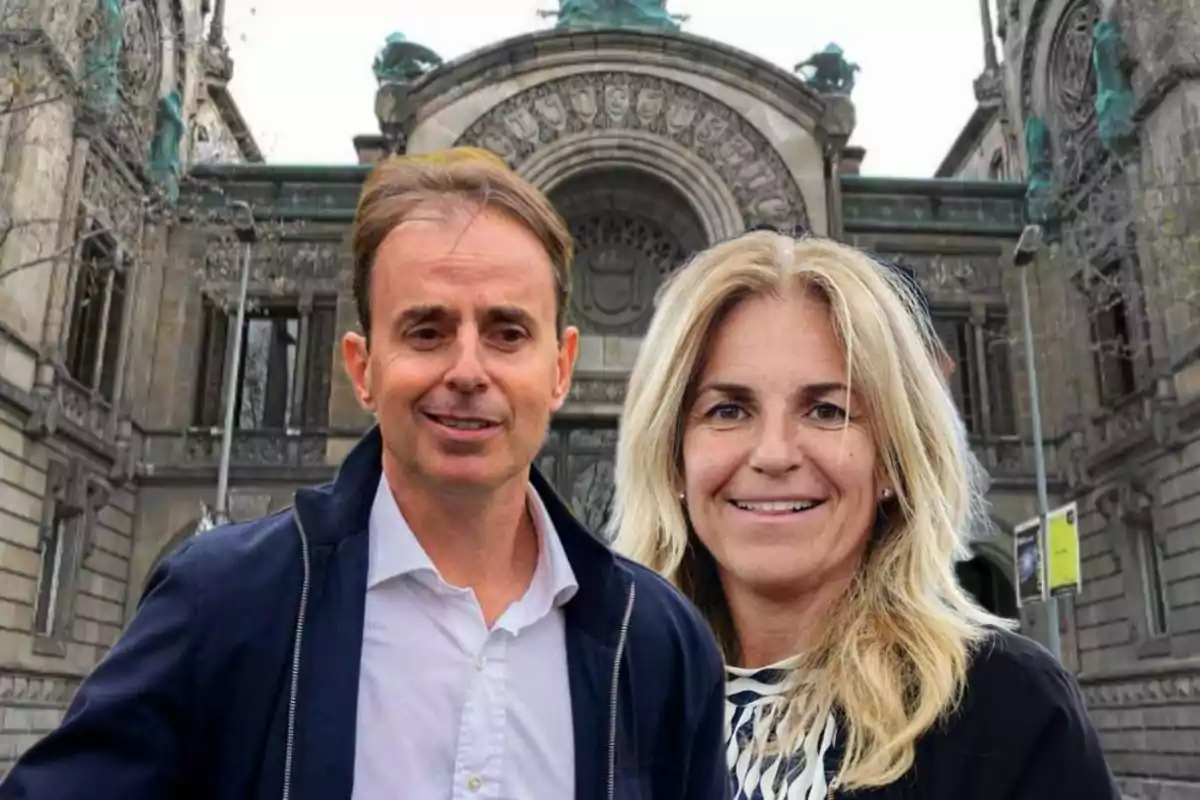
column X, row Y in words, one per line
column 885, row 495
column 682, row 496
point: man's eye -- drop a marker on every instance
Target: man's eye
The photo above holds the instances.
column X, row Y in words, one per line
column 424, row 334
column 511, row 335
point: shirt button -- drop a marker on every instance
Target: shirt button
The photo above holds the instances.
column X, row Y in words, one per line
column 474, row 783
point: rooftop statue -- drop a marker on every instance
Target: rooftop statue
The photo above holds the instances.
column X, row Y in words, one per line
column 828, row 71
column 402, row 61
column 616, row 14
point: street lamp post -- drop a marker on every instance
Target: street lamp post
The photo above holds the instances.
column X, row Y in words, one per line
column 243, row 226
column 1028, row 247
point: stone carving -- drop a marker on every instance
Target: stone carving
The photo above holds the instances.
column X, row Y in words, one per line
column 103, row 32
column 942, row 274
column 598, row 391
column 765, row 191
column 579, row 463
column 279, row 267
column 651, row 14
column 105, row 190
column 1029, row 48
column 621, row 261
column 828, row 71
column 1072, row 95
column 52, row 690
column 256, row 449
column 140, row 73
column 994, row 214
column 164, row 151
column 402, row 61
column 1180, row 688
column 1114, row 96
column 77, row 407
column 1040, row 182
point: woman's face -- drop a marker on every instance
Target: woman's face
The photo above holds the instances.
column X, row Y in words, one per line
column 779, row 462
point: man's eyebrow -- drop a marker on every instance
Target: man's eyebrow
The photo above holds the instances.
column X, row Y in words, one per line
column 511, row 315
column 425, row 314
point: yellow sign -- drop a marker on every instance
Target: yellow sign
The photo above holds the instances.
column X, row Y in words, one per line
column 1062, row 551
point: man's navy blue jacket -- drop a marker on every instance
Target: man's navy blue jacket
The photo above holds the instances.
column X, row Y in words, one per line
column 238, row 676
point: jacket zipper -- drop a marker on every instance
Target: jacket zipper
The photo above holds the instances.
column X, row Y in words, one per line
column 612, row 697
column 290, row 748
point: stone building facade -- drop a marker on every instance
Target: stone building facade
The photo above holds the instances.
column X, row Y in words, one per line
column 115, row 349
column 94, row 97
column 1094, row 108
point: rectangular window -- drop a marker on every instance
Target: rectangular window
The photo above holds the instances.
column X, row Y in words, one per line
column 50, row 574
column 97, row 311
column 967, row 343
column 283, row 373
column 1116, row 377
column 1155, row 589
column 997, row 347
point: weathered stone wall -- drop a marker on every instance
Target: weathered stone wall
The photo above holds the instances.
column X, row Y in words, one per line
column 1124, row 237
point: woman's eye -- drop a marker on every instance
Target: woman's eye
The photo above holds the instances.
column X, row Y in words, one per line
column 726, row 412
column 827, row 412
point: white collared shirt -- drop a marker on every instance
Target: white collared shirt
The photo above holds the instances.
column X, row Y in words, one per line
column 447, row 709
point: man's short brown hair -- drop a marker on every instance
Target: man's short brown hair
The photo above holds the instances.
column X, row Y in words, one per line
column 460, row 179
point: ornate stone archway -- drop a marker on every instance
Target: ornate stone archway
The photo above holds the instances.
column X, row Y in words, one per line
column 608, row 114
column 631, row 231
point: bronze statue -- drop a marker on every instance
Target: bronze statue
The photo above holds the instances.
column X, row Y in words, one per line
column 615, row 14
column 1114, row 97
column 828, row 71
column 402, row 61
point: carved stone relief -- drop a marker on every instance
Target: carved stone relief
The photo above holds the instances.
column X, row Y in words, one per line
column 105, row 190
column 598, row 391
column 631, row 230
column 1029, row 53
column 280, row 266
column 765, row 191
column 952, row 275
column 140, row 75
column 579, row 462
column 1072, row 91
column 622, row 261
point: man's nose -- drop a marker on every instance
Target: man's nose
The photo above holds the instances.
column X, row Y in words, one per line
column 466, row 374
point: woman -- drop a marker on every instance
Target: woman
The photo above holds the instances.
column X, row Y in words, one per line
column 791, row 459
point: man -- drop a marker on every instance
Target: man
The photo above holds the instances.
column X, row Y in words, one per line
column 434, row 623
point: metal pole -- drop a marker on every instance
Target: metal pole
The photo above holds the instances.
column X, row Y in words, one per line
column 221, row 512
column 1053, row 637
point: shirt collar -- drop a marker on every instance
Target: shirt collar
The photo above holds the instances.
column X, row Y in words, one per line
column 395, row 551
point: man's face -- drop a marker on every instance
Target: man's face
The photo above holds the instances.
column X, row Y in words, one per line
column 464, row 365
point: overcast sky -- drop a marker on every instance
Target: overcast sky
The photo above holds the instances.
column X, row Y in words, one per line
column 302, row 74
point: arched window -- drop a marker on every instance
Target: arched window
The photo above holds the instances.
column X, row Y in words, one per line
column 996, row 166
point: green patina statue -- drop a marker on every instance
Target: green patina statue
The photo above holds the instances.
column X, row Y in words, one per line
column 101, row 60
column 650, row 14
column 828, row 71
column 1114, row 98
column 402, row 61
column 164, row 150
column 1040, row 181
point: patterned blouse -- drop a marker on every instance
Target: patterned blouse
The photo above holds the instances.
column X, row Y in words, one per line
column 750, row 694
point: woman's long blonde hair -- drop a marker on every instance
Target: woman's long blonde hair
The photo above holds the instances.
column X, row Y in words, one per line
column 892, row 657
